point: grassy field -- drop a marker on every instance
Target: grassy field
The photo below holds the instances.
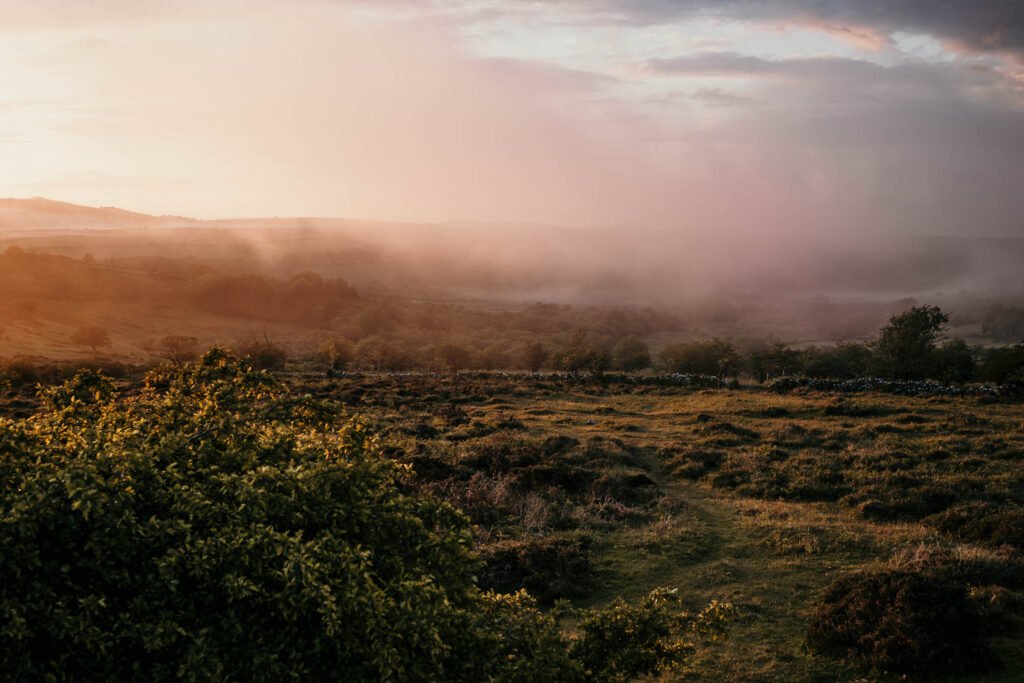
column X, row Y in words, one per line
column 589, row 491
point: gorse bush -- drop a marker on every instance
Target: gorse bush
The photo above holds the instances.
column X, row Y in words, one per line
column 215, row 527
column 208, row 530
column 623, row 642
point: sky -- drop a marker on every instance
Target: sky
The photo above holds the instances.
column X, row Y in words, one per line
column 752, row 118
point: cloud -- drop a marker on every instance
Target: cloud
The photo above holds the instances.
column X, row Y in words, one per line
column 976, row 25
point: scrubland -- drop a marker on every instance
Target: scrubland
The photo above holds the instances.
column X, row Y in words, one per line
column 851, row 535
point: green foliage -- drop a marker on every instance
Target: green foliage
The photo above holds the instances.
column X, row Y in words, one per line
column 212, row 529
column 622, row 642
column 900, row 622
column 906, row 346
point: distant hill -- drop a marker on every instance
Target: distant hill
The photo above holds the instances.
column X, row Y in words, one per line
column 37, row 213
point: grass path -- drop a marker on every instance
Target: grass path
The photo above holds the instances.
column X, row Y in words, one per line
column 711, row 553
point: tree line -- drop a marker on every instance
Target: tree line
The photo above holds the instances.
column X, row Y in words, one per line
column 913, row 345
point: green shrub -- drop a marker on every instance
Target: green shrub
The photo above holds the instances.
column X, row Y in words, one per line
column 623, row 642
column 207, row 530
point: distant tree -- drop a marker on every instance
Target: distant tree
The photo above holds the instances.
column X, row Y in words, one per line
column 630, row 354
column 714, row 357
column 578, row 355
column 336, row 354
column 375, row 353
column 92, row 336
column 178, row 349
column 534, row 356
column 905, row 348
column 775, row 360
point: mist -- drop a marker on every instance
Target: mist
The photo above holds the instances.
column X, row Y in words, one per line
column 763, row 157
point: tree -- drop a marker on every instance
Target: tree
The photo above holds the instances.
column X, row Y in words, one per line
column 534, row 356
column 630, row 354
column 178, row 350
column 377, row 354
column 715, row 357
column 775, row 360
column 905, row 348
column 92, row 336
column 578, row 355
column 336, row 354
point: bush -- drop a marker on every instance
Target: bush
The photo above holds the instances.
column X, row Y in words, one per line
column 900, row 622
column 207, row 530
column 623, row 642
